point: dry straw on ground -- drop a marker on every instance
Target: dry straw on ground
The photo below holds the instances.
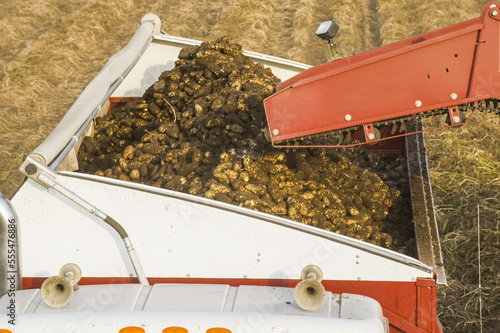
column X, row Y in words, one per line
column 50, row 49
column 466, row 173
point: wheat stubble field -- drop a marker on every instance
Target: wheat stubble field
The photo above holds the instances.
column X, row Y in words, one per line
column 50, row 49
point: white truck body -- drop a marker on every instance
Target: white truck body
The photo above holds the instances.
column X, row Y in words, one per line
column 207, row 264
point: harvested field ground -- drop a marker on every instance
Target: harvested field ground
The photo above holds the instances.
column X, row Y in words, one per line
column 50, row 49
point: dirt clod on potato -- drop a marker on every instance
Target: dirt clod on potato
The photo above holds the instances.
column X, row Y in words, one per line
column 200, row 130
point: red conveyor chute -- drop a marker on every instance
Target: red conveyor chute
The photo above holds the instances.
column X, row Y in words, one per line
column 452, row 66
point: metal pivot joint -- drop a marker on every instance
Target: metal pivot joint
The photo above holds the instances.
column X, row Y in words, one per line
column 369, row 131
column 455, row 117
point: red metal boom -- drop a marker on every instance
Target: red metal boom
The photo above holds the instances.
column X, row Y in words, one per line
column 441, row 69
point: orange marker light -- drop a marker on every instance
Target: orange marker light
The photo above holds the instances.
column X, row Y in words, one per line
column 4, row 331
column 175, row 330
column 218, row 330
column 132, row 329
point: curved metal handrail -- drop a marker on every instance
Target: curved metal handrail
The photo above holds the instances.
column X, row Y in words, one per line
column 95, row 92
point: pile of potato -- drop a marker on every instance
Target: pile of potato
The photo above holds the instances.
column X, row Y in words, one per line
column 200, row 129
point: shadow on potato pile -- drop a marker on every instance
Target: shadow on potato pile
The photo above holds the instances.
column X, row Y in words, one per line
column 200, row 130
